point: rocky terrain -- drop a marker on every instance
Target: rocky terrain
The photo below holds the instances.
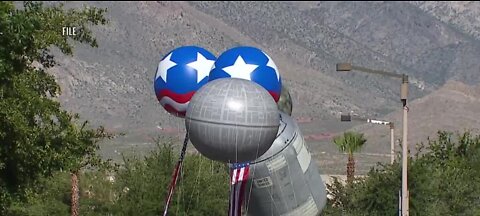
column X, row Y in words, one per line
column 432, row 42
column 463, row 15
column 450, row 108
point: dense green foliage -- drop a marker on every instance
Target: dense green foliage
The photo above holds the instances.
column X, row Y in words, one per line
column 52, row 196
column 37, row 137
column 202, row 188
column 41, row 143
column 444, row 179
column 139, row 189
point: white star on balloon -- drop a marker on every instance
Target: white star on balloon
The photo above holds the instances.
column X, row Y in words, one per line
column 271, row 64
column 240, row 69
column 163, row 67
column 202, row 65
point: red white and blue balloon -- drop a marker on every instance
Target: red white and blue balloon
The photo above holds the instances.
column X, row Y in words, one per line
column 179, row 75
column 249, row 63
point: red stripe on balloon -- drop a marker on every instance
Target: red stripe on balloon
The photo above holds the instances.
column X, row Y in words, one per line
column 179, row 98
column 275, row 96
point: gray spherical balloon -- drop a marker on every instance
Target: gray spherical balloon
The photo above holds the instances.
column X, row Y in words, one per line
column 232, row 120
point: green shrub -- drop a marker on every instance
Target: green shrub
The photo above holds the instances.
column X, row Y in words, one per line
column 443, row 180
column 140, row 188
column 202, row 188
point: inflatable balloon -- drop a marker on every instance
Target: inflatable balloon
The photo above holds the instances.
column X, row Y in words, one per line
column 179, row 75
column 286, row 177
column 285, row 101
column 232, row 120
column 249, row 63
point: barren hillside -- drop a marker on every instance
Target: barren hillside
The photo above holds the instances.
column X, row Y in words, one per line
column 464, row 15
column 113, row 84
column 454, row 107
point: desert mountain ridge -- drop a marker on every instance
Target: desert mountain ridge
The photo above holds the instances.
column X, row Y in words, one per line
column 112, row 85
column 449, row 108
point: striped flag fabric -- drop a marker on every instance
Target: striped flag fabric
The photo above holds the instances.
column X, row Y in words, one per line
column 238, row 180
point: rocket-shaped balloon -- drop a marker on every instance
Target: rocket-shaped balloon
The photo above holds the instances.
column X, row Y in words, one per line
column 286, row 180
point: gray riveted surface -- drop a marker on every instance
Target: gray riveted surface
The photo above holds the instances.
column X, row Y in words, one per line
column 285, row 180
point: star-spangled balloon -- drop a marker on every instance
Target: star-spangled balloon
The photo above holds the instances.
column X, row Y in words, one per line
column 179, row 75
column 248, row 63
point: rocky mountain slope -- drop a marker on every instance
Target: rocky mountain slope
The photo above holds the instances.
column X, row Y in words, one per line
column 463, row 15
column 113, row 84
column 451, row 108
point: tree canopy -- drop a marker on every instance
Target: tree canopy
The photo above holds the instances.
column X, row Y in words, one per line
column 37, row 136
column 350, row 142
column 443, row 179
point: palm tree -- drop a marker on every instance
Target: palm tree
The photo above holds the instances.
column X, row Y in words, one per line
column 350, row 142
column 75, row 195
